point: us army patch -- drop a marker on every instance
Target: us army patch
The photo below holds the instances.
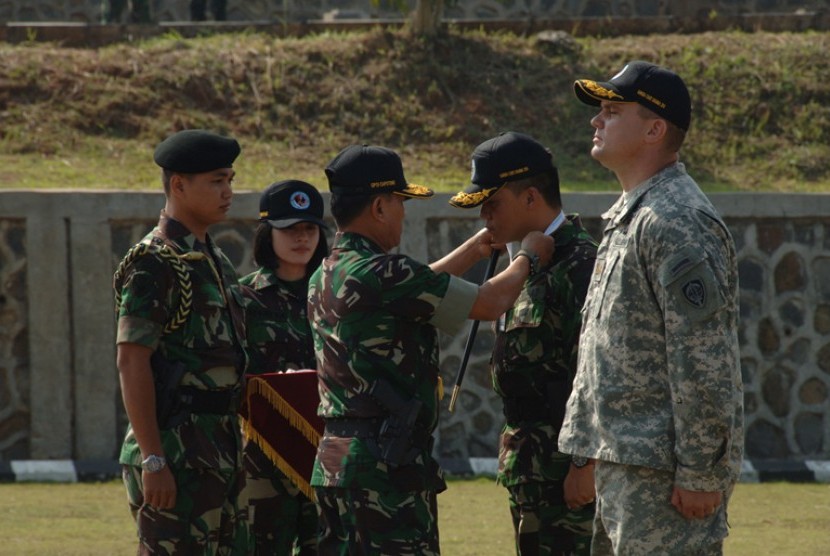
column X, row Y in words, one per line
column 689, row 279
column 695, row 292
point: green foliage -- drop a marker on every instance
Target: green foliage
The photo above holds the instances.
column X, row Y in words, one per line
column 761, row 103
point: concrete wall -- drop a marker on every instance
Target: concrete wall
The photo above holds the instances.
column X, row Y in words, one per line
column 59, row 395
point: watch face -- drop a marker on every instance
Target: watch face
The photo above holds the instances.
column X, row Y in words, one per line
column 579, row 461
column 153, row 464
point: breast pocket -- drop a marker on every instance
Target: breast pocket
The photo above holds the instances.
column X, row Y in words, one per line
column 528, row 310
column 605, row 276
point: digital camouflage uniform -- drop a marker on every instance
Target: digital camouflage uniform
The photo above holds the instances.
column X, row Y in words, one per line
column 374, row 317
column 534, row 363
column 202, row 449
column 279, row 338
column 658, row 388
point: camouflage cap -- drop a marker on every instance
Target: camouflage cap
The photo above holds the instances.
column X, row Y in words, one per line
column 660, row 90
column 509, row 156
column 194, row 151
column 367, row 169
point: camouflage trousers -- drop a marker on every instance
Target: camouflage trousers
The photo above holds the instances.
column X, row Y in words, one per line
column 370, row 523
column 204, row 521
column 282, row 519
column 635, row 515
column 544, row 525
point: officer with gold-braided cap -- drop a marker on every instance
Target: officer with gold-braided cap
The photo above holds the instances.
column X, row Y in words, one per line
column 375, row 316
column 181, row 359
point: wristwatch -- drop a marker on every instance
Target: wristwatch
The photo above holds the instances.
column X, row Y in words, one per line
column 579, row 461
column 153, row 463
column 532, row 258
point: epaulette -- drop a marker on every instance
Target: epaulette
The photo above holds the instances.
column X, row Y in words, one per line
column 182, row 279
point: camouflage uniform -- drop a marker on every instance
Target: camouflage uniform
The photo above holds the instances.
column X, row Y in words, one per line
column 279, row 338
column 659, row 382
column 202, row 449
column 534, row 363
column 374, row 317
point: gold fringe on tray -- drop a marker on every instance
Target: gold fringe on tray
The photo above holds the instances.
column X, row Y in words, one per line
column 262, row 388
column 292, row 474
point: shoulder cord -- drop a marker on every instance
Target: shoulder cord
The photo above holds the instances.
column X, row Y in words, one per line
column 182, row 279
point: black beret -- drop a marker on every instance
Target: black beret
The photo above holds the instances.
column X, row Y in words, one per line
column 193, row 151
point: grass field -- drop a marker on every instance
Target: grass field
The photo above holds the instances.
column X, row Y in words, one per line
column 92, row 519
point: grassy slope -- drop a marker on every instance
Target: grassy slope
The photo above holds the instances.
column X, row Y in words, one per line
column 90, row 118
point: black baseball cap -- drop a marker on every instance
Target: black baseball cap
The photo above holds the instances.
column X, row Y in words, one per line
column 509, row 156
column 660, row 90
column 288, row 202
column 194, row 151
column 367, row 170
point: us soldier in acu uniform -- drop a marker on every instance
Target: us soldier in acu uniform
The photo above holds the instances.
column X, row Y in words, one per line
column 288, row 246
column 534, row 360
column 657, row 399
column 181, row 360
column 374, row 317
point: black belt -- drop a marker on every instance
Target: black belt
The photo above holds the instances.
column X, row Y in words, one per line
column 370, row 428
column 358, row 428
column 193, row 400
column 518, row 410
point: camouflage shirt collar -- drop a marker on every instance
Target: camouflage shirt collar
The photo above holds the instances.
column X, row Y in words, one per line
column 627, row 205
column 351, row 241
column 264, row 278
column 569, row 229
column 267, row 277
column 174, row 232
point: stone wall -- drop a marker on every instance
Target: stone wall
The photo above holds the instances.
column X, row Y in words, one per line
column 59, row 396
column 90, row 11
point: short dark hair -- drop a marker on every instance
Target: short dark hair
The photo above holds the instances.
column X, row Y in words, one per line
column 265, row 257
column 345, row 208
column 165, row 180
column 547, row 183
column 675, row 135
column 167, row 175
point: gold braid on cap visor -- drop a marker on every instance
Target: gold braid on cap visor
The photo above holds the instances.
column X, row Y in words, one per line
column 592, row 87
column 469, row 200
column 417, row 190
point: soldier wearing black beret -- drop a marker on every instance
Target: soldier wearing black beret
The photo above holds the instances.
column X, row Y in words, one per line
column 181, row 359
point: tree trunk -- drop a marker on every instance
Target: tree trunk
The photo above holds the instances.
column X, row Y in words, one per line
column 426, row 19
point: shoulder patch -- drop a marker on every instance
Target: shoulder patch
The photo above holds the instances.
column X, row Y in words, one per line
column 695, row 292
